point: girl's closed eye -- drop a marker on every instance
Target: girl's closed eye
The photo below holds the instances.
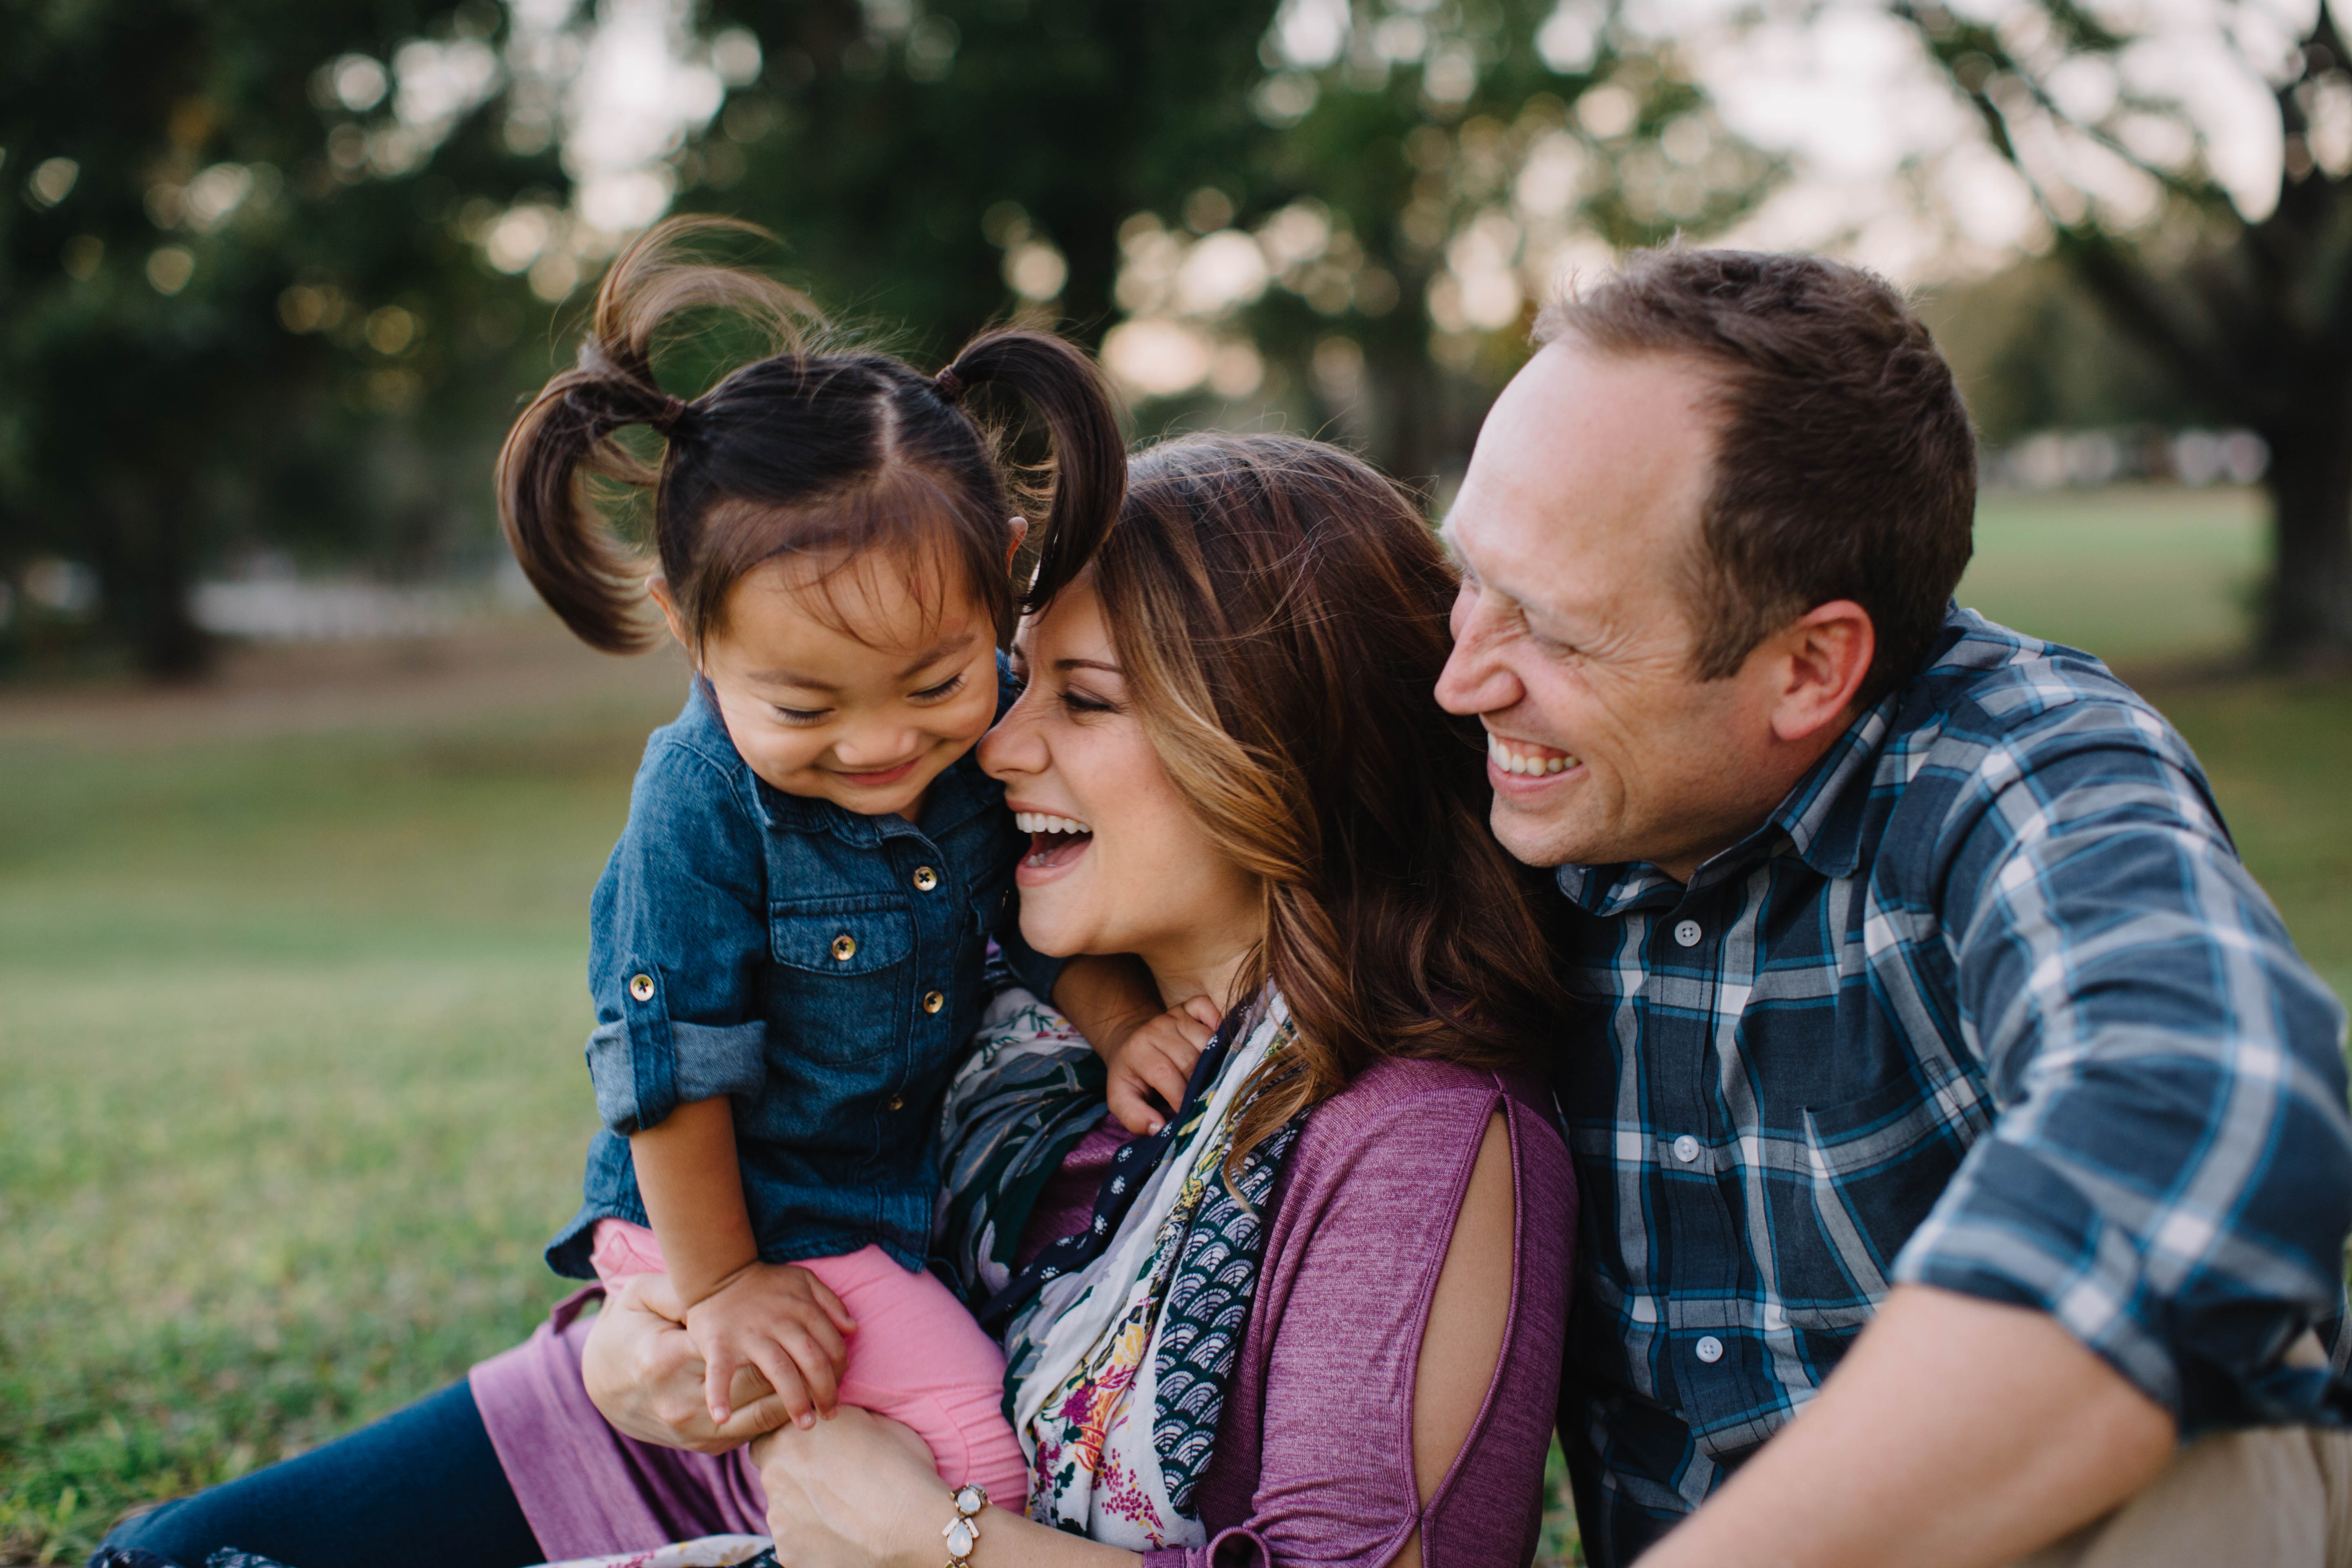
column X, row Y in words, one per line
column 800, row 715
column 942, row 691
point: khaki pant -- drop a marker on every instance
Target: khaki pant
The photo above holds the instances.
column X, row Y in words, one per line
column 2279, row 1498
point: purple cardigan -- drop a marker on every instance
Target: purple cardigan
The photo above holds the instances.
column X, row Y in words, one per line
column 1314, row 1455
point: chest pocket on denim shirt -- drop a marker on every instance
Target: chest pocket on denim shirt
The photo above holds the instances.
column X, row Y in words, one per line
column 841, row 977
column 1877, row 1165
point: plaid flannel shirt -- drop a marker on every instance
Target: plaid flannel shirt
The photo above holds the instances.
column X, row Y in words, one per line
column 1989, row 1003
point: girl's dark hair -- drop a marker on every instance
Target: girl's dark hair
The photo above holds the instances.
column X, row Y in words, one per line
column 801, row 452
column 1279, row 612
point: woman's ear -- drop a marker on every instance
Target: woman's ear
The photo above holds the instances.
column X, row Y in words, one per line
column 1019, row 532
column 657, row 589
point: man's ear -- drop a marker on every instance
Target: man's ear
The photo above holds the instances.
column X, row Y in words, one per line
column 1019, row 532
column 658, row 588
column 1825, row 655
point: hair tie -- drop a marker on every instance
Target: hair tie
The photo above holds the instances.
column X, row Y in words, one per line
column 949, row 384
column 673, row 409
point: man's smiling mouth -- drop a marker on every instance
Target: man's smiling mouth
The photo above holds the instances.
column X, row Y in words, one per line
column 1525, row 757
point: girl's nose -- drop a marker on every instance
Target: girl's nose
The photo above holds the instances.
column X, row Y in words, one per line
column 882, row 746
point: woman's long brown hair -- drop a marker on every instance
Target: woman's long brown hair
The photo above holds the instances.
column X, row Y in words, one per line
column 1279, row 611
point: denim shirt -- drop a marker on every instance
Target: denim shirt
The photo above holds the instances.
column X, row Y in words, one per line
column 820, row 968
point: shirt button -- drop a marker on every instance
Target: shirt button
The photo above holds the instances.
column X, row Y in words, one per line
column 1685, row 1148
column 897, row 1103
column 1687, row 932
column 844, row 947
column 641, row 986
column 925, row 878
column 933, row 1000
column 1711, row 1349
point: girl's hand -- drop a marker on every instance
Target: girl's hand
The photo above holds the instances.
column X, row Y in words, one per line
column 1158, row 1058
column 646, row 1377
column 860, row 1491
column 780, row 1320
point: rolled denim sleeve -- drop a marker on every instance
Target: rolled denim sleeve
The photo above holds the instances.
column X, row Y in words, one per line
column 680, row 921
column 2169, row 1170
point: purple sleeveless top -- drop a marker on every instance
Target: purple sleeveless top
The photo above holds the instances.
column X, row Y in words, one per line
column 1314, row 1455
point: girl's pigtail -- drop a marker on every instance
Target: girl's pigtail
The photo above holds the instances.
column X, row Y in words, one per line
column 563, row 544
column 1089, row 458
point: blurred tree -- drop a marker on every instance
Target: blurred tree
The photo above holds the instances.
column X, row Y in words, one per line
column 237, row 310
column 1367, row 196
column 279, row 269
column 2033, row 350
column 2252, row 316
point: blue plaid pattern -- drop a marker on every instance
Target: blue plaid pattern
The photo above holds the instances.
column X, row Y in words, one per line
column 1987, row 1003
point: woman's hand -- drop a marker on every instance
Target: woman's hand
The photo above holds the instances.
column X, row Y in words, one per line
column 862, row 1491
column 1158, row 1058
column 858, row 1491
column 644, row 1374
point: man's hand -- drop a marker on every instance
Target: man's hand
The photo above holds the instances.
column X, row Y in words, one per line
column 1957, row 1432
column 1158, row 1058
column 780, row 1320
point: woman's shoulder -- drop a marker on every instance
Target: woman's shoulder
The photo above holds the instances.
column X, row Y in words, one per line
column 1409, row 1087
column 1431, row 1111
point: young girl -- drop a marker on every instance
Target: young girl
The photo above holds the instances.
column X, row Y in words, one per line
column 788, row 941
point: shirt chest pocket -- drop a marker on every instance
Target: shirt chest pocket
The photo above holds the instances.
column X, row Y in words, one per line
column 842, row 974
column 1877, row 1165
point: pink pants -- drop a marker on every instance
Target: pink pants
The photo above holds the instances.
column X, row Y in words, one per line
column 917, row 1356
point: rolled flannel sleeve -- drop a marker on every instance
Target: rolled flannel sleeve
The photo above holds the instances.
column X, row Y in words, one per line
column 680, row 920
column 2169, row 1170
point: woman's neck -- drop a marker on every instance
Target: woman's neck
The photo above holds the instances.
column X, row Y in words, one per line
column 1206, row 969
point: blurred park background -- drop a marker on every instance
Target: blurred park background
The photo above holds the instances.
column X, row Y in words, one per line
column 301, row 798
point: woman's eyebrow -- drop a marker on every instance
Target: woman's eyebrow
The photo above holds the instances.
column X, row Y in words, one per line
column 1089, row 663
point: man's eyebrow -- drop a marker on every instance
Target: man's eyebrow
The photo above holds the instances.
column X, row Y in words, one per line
column 1451, row 544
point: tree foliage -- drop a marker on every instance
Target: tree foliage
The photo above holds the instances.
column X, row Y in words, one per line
column 278, row 271
column 2249, row 315
column 237, row 310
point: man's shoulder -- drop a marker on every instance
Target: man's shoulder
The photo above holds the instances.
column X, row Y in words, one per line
column 1994, row 702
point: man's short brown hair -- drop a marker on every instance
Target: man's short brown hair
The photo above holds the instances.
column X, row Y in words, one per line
column 1844, row 468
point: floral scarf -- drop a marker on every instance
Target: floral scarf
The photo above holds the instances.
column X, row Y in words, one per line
column 1120, row 1341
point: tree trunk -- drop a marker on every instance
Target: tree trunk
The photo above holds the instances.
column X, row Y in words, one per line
column 146, row 573
column 2306, row 621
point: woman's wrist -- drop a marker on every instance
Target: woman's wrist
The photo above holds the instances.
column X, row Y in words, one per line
column 962, row 1534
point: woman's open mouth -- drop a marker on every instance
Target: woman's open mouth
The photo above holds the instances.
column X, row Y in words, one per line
column 1055, row 842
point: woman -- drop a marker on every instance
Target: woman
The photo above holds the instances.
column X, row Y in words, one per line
column 1232, row 710
column 1230, row 713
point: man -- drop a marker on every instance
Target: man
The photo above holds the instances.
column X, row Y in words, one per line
column 1939, row 1037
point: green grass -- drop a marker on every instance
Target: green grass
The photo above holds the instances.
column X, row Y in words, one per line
column 290, row 1088
column 2133, row 573
column 290, row 1092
